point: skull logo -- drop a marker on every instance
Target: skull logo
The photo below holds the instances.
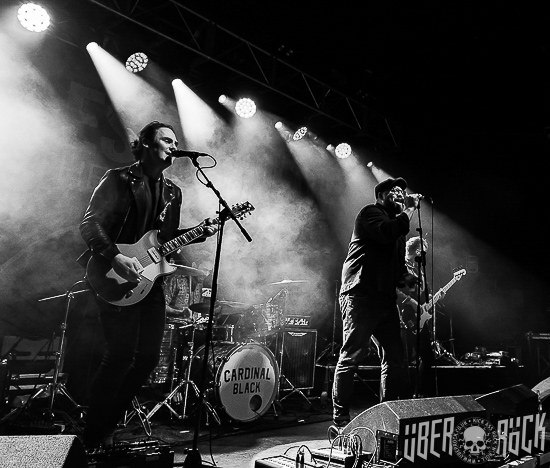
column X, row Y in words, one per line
column 474, row 440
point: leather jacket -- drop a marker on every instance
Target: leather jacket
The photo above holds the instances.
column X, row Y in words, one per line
column 117, row 212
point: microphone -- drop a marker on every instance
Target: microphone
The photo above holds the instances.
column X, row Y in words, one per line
column 187, row 154
column 419, row 196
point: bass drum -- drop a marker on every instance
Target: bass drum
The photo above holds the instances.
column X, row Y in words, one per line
column 244, row 378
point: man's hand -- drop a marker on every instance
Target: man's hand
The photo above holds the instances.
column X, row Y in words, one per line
column 126, row 267
column 210, row 228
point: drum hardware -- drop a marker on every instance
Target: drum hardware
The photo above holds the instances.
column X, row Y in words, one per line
column 137, row 411
column 55, row 386
column 177, row 385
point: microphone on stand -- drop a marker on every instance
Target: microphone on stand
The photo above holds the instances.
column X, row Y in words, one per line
column 187, row 154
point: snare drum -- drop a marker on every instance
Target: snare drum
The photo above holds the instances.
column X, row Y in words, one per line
column 245, row 376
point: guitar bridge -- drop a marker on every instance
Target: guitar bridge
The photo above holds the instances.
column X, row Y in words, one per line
column 154, row 254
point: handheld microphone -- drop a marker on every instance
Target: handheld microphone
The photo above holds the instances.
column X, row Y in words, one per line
column 187, row 154
column 419, row 196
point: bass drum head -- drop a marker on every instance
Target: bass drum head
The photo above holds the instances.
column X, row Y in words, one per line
column 246, row 378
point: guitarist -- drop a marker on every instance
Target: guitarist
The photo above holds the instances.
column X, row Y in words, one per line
column 127, row 203
column 407, row 301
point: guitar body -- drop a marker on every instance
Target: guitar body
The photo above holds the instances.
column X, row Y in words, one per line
column 116, row 290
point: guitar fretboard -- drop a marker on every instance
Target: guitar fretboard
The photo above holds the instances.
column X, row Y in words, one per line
column 178, row 242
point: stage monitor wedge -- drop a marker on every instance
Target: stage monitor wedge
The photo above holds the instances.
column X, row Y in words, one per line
column 421, row 428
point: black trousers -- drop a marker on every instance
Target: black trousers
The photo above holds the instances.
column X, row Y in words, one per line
column 133, row 336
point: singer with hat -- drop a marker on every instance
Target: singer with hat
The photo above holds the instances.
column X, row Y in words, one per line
column 373, row 269
column 126, row 204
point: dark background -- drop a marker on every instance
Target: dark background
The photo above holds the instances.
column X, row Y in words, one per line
column 462, row 86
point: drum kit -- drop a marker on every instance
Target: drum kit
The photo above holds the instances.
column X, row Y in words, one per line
column 243, row 376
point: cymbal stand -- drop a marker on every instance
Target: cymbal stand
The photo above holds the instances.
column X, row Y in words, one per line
column 185, row 382
column 56, row 387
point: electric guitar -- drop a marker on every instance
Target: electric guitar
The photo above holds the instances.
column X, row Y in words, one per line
column 427, row 307
column 151, row 255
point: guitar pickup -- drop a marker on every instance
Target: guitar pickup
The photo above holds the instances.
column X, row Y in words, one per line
column 154, row 254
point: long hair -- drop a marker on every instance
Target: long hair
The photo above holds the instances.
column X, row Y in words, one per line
column 147, row 134
column 413, row 244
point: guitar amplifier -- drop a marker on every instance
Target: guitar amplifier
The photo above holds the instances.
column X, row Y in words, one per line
column 298, row 347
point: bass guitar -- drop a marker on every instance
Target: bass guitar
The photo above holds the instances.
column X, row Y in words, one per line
column 151, row 255
column 427, row 307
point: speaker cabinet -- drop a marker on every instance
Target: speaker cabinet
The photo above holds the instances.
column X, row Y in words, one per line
column 298, row 350
column 543, row 388
column 419, row 430
column 53, row 451
column 510, row 410
column 514, row 401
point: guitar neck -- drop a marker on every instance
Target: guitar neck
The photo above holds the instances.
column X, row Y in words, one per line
column 171, row 246
column 439, row 293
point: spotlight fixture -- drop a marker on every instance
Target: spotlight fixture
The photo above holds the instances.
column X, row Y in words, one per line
column 278, row 125
column 343, row 150
column 222, row 98
column 300, row 133
column 33, row 17
column 245, row 108
column 370, row 164
column 136, row 62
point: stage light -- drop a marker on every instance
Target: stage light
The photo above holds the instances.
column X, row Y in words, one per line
column 136, row 62
column 300, row 133
column 370, row 164
column 33, row 17
column 278, row 125
column 343, row 150
column 330, row 148
column 245, row 108
column 222, row 99
column 92, row 46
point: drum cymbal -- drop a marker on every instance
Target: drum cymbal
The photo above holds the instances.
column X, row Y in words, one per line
column 188, row 271
column 202, row 308
column 232, row 307
column 287, row 282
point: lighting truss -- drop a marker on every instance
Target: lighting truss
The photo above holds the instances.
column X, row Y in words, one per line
column 174, row 23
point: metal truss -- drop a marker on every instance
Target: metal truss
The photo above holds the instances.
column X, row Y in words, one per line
column 215, row 53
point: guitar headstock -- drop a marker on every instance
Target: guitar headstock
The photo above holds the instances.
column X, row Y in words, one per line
column 459, row 273
column 239, row 210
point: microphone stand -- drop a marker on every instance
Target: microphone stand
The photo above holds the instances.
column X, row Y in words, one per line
column 422, row 278
column 193, row 459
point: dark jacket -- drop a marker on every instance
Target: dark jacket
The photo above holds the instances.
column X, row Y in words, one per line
column 376, row 253
column 118, row 208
